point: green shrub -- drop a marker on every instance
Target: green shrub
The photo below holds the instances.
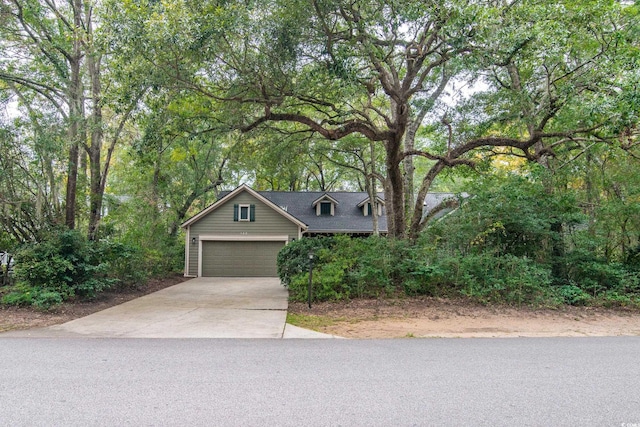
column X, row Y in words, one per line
column 344, row 267
column 633, row 258
column 508, row 279
column 573, row 295
column 293, row 259
column 593, row 274
column 425, row 279
column 66, row 265
column 56, row 264
column 20, row 295
column 123, row 264
column 370, row 268
column 328, row 284
column 23, row 295
column 47, row 299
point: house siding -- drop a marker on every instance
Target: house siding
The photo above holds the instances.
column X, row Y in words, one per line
column 220, row 222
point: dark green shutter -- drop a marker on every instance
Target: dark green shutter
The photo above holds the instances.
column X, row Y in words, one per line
column 252, row 213
column 235, row 212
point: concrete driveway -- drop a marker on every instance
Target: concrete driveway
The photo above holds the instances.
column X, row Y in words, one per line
column 207, row 307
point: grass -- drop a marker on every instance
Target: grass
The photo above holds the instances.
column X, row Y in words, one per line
column 309, row 321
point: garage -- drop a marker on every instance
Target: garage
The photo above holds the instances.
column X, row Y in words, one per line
column 240, row 258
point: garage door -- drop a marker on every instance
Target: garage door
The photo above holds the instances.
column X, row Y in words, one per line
column 238, row 259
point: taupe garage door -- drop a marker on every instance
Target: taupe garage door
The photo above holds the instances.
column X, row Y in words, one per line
column 238, row 259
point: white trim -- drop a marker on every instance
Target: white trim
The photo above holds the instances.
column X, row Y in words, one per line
column 231, row 195
column 236, row 238
column 200, row 257
column 187, row 242
column 379, row 200
column 325, row 196
column 248, row 218
column 245, row 237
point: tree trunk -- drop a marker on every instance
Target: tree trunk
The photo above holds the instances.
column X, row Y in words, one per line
column 416, row 220
column 395, row 200
column 393, row 160
column 373, row 194
column 76, row 116
column 96, row 189
column 73, row 133
column 409, row 172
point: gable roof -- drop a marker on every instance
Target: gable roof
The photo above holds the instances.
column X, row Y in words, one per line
column 325, row 196
column 379, row 200
column 230, row 195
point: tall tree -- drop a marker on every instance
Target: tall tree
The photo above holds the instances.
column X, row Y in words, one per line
column 364, row 67
column 42, row 52
column 338, row 68
column 51, row 53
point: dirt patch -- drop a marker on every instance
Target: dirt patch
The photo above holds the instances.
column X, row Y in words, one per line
column 14, row 318
column 429, row 317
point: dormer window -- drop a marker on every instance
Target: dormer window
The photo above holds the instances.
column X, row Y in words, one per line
column 325, row 208
column 366, row 206
column 325, row 205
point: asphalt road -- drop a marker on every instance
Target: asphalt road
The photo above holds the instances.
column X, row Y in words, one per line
column 457, row 382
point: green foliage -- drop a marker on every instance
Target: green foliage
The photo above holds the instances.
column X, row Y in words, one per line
column 66, row 266
column 58, row 264
column 502, row 279
column 372, row 267
column 126, row 263
column 338, row 67
column 515, row 242
column 573, row 295
column 140, row 233
column 593, row 274
column 293, row 259
column 507, row 214
column 633, row 258
column 19, row 295
column 512, row 242
column 343, row 267
column 487, row 277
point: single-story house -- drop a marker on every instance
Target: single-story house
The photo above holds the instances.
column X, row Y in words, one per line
column 242, row 233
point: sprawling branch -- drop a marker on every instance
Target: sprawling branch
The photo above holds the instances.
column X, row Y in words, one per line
column 335, row 134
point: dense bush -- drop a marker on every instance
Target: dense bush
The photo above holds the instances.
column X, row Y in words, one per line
column 66, row 265
column 507, row 215
column 484, row 277
column 293, row 259
column 512, row 242
column 343, row 267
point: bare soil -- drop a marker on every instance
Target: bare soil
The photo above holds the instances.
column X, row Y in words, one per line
column 389, row 318
column 14, row 318
column 431, row 317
